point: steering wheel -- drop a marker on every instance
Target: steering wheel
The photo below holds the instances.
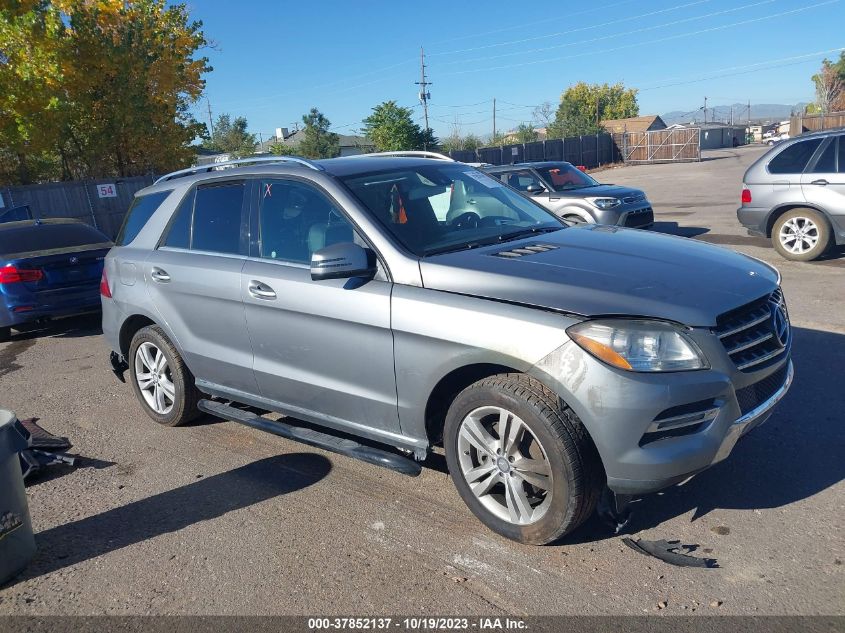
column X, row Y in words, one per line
column 466, row 220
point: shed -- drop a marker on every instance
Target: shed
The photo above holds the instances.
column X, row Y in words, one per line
column 647, row 123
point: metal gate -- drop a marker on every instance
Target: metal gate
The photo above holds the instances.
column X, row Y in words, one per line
column 660, row 146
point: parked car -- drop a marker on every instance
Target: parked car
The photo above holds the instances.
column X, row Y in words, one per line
column 553, row 363
column 775, row 138
column 48, row 268
column 795, row 195
column 576, row 196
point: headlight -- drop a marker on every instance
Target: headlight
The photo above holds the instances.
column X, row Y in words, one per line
column 638, row 345
column 605, row 203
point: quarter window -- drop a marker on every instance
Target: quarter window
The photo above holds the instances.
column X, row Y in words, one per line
column 296, row 220
column 217, row 218
column 140, row 211
column 842, row 154
column 793, row 159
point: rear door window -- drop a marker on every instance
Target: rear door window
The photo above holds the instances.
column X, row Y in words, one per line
column 793, row 159
column 826, row 164
column 842, row 154
column 179, row 231
column 141, row 210
column 217, row 222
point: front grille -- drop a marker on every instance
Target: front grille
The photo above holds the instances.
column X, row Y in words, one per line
column 757, row 334
column 640, row 217
column 754, row 395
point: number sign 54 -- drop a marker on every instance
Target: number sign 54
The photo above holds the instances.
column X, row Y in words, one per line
column 107, row 191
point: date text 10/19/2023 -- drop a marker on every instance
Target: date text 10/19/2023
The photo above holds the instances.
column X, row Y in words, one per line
column 417, row 624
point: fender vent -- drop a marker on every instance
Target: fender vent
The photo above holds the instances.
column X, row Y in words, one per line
column 522, row 251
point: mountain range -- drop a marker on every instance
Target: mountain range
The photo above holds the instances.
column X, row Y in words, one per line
column 760, row 112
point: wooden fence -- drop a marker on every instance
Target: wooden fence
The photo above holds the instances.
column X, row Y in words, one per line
column 78, row 199
column 801, row 123
column 660, row 146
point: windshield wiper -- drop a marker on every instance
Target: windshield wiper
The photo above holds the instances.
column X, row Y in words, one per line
column 497, row 239
column 507, row 237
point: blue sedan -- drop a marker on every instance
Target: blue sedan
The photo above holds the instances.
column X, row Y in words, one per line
column 48, row 268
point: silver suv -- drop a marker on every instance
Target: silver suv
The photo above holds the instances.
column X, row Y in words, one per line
column 576, row 196
column 554, row 364
column 795, row 195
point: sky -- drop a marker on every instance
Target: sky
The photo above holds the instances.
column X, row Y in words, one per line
column 274, row 60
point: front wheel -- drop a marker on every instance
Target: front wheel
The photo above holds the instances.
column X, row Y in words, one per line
column 521, row 459
column 162, row 383
column 801, row 235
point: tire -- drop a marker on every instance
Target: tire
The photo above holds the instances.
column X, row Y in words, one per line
column 555, row 441
column 802, row 235
column 575, row 219
column 173, row 383
column 5, row 334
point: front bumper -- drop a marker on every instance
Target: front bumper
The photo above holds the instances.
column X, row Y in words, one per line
column 620, row 409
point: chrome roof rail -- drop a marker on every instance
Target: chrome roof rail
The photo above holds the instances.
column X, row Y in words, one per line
column 409, row 154
column 237, row 163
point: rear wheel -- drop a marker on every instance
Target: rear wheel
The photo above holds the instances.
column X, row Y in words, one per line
column 521, row 459
column 801, row 235
column 5, row 334
column 162, row 383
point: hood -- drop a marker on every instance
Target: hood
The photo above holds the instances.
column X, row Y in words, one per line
column 594, row 270
column 599, row 191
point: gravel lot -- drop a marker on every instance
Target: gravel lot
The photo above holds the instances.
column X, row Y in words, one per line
column 218, row 519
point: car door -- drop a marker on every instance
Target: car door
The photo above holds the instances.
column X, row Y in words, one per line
column 823, row 182
column 322, row 349
column 194, row 278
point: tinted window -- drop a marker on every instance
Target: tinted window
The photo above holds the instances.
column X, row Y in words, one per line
column 794, row 158
column 141, row 209
column 179, row 232
column 295, row 220
column 827, row 161
column 520, row 180
column 217, row 218
column 28, row 237
column 842, row 154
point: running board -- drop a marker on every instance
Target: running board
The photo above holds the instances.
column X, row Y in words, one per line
column 343, row 446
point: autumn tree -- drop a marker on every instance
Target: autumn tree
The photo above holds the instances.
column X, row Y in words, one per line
column 830, row 85
column 391, row 128
column 104, row 86
column 231, row 137
column 317, row 139
column 584, row 106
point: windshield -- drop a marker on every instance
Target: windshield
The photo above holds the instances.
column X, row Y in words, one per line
column 439, row 208
column 564, row 177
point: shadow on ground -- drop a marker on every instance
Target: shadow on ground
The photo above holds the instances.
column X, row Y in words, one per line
column 174, row 510
column 796, row 454
column 71, row 327
column 673, row 228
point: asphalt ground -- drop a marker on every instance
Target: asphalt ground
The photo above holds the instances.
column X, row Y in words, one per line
column 216, row 518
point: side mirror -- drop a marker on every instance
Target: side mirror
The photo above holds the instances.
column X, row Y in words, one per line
column 342, row 261
column 534, row 189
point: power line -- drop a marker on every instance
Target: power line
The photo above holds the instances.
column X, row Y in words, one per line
column 649, row 42
column 425, row 95
column 645, row 29
column 583, row 28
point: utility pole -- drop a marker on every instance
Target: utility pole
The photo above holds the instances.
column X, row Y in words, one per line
column 705, row 110
column 425, row 95
column 494, row 117
column 732, row 115
column 749, row 111
column 210, row 120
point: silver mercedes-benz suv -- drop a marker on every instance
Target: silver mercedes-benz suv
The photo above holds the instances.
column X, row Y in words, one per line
column 555, row 365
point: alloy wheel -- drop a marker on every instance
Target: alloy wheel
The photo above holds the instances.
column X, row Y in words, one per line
column 154, row 379
column 505, row 465
column 799, row 235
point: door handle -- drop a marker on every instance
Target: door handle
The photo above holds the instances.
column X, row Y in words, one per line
column 260, row 290
column 159, row 274
column 820, row 181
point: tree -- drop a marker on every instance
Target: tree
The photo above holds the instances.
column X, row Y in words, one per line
column 318, row 141
column 543, row 115
column 103, row 88
column 830, row 85
column 392, row 128
column 231, row 137
column 584, row 106
column 525, row 133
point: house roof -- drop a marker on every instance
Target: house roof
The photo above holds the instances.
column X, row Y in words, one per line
column 345, row 140
column 634, row 124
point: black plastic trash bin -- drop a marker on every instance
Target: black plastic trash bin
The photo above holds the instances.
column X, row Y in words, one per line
column 17, row 544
